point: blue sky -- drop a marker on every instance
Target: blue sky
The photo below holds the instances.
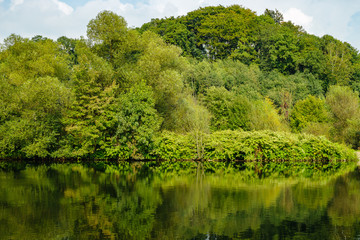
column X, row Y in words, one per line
column 55, row 18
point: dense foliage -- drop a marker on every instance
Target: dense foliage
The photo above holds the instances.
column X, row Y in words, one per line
column 123, row 93
column 253, row 146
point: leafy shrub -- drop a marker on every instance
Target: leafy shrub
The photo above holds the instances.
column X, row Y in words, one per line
column 254, row 146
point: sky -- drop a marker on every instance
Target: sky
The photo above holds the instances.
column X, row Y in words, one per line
column 56, row 18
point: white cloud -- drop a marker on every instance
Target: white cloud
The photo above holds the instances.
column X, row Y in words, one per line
column 15, row 3
column 298, row 17
column 35, row 17
column 66, row 9
column 55, row 18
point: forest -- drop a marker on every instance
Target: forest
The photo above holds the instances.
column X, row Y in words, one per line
column 175, row 86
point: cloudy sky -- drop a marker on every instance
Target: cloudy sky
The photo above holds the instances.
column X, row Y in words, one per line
column 55, row 18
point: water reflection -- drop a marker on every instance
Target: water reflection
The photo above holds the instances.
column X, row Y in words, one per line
column 72, row 201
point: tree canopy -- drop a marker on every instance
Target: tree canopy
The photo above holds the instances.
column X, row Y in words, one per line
column 215, row 68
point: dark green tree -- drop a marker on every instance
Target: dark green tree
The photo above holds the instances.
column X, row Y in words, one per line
column 137, row 123
column 228, row 110
column 90, row 120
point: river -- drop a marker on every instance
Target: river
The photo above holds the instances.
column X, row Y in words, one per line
column 74, row 201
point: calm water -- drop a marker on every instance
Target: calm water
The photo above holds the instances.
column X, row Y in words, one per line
column 76, row 202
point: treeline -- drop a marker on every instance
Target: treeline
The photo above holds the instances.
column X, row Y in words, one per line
column 237, row 33
column 113, row 94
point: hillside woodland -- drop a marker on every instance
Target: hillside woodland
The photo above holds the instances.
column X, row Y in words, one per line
column 218, row 71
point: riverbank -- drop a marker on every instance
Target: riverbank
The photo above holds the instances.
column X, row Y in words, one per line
column 227, row 145
column 258, row 154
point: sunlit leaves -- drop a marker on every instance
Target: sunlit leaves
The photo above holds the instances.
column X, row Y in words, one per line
column 34, row 129
column 24, row 59
column 309, row 111
column 107, row 29
column 344, row 106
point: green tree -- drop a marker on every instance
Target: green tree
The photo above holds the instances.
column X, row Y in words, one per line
column 90, row 121
column 311, row 58
column 107, row 30
column 275, row 15
column 344, row 106
column 174, row 31
column 230, row 74
column 162, row 68
column 210, row 32
column 204, row 75
column 23, row 59
column 34, row 95
column 228, row 110
column 137, row 124
column 32, row 127
column 68, row 45
column 220, row 34
column 338, row 62
column 194, row 118
column 309, row 112
column 264, row 116
column 278, row 47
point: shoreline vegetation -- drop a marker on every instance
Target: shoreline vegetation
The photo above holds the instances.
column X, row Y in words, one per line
column 219, row 87
column 256, row 154
column 230, row 145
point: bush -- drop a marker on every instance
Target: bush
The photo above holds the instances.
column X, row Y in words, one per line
column 254, row 146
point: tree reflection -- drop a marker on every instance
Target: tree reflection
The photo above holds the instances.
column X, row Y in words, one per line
column 73, row 201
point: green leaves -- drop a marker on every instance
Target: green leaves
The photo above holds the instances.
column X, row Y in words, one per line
column 137, row 122
column 33, row 129
column 254, row 146
column 90, row 119
column 109, row 30
column 112, row 95
column 308, row 111
column 345, row 108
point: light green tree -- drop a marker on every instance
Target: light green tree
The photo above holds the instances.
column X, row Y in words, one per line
column 308, row 113
column 264, row 116
column 191, row 117
column 338, row 62
column 23, row 59
column 344, row 106
column 33, row 96
column 162, row 68
column 33, row 128
column 108, row 30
